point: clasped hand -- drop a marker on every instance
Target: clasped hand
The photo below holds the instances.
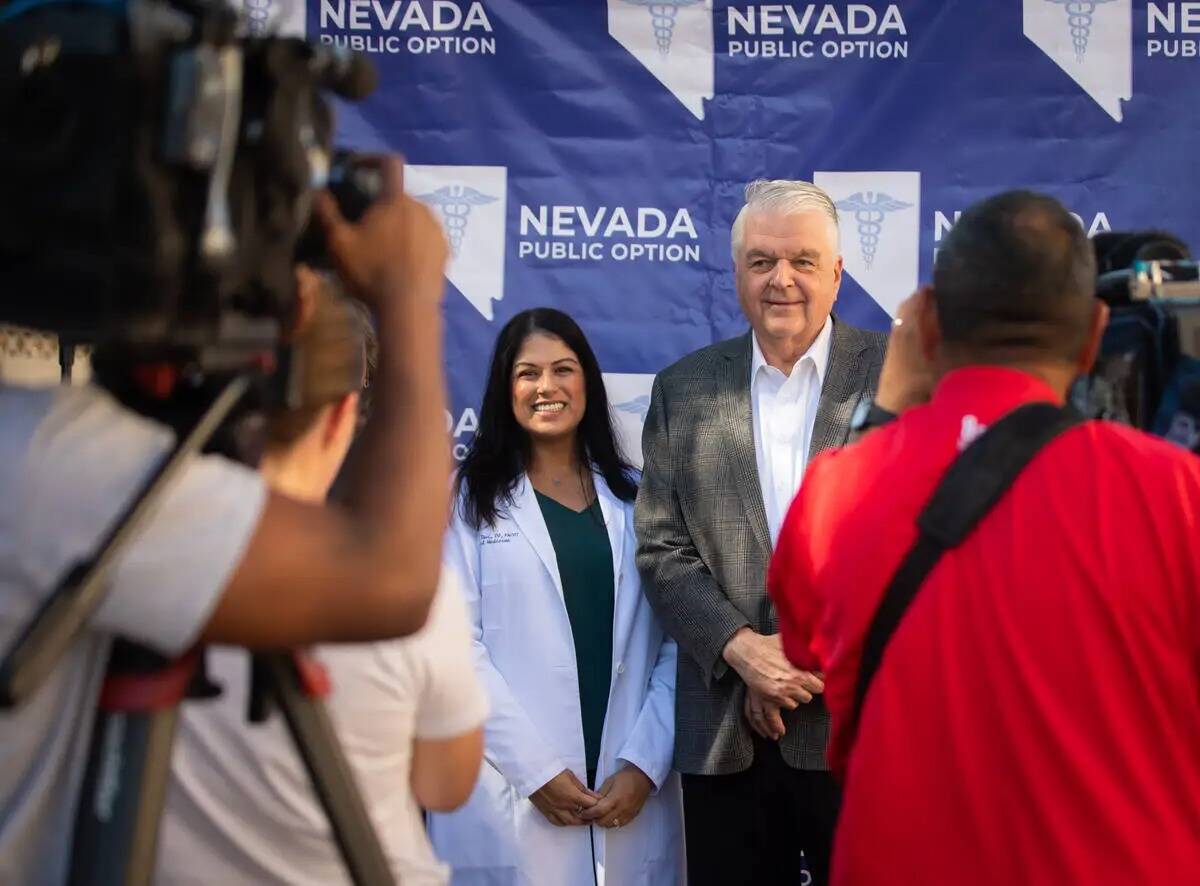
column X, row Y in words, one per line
column 566, row 802
column 772, row 682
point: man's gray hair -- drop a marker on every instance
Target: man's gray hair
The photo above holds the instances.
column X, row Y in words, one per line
column 784, row 197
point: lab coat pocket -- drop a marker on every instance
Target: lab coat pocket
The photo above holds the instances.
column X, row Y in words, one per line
column 492, row 607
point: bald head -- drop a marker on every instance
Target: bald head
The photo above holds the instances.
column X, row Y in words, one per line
column 1015, row 280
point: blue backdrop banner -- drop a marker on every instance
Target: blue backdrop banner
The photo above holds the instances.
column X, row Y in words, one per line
column 591, row 154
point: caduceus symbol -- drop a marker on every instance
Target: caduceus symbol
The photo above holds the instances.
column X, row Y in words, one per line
column 257, row 16
column 454, row 203
column 869, row 208
column 662, row 19
column 1079, row 17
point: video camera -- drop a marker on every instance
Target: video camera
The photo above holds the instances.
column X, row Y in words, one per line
column 157, row 174
column 1148, row 371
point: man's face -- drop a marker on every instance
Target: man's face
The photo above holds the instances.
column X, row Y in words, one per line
column 788, row 271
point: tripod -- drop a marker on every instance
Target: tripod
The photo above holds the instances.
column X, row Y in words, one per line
column 128, row 762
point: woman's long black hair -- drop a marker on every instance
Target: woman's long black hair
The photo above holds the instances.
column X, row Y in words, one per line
column 500, row 452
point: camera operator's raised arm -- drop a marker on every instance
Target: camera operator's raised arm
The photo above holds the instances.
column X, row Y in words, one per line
column 366, row 570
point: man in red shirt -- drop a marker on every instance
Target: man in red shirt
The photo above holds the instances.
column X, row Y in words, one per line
column 1036, row 715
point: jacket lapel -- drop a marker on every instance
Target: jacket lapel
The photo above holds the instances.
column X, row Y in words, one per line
column 527, row 514
column 613, row 510
column 738, row 421
column 841, row 390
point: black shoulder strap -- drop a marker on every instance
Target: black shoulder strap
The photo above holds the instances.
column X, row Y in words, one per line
column 972, row 485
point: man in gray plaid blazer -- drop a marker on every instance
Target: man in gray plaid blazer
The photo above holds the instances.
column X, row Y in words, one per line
column 729, row 432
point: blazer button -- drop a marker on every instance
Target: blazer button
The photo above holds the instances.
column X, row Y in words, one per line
column 620, row 668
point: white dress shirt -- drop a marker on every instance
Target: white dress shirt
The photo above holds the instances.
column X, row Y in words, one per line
column 784, row 410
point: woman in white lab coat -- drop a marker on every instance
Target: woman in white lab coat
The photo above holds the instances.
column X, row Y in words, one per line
column 577, row 787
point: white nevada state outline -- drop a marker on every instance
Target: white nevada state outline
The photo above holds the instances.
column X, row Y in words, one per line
column 1091, row 41
column 673, row 40
column 879, row 220
column 629, row 400
column 472, row 203
column 276, row 18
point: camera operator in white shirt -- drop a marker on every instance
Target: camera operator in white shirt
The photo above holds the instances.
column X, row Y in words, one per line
column 223, row 560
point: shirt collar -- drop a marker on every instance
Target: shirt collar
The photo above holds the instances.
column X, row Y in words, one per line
column 818, row 351
column 996, row 388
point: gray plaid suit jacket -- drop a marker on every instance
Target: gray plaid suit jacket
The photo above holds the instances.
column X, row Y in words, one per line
column 703, row 542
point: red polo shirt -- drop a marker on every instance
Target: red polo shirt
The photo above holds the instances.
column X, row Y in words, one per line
column 1036, row 717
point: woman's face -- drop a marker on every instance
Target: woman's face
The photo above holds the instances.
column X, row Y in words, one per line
column 548, row 390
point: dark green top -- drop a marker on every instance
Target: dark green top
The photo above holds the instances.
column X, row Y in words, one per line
column 585, row 565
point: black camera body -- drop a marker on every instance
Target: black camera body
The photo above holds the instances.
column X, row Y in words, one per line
column 157, row 173
column 1148, row 371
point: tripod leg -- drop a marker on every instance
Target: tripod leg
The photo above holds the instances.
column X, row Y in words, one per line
column 332, row 779
column 128, row 768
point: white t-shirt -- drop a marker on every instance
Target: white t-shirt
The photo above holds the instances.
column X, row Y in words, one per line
column 241, row 809
column 70, row 459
